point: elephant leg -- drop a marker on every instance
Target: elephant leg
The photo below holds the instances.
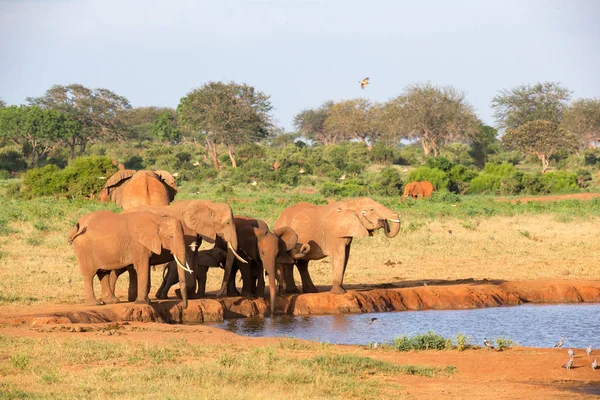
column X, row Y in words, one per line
column 170, row 279
column 132, row 291
column 201, row 273
column 227, row 274
column 288, row 276
column 246, row 279
column 339, row 261
column 88, row 289
column 307, row 284
column 108, row 296
column 162, row 291
column 143, row 281
column 258, row 281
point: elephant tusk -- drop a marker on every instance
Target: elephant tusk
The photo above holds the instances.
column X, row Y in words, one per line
column 185, row 268
column 236, row 254
column 393, row 220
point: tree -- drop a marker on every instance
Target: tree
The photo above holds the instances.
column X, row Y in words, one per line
column 351, row 119
column 483, row 143
column 226, row 113
column 2, row 104
column 432, row 114
column 582, row 118
column 165, row 127
column 98, row 111
column 43, row 130
column 542, row 101
column 541, row 138
column 138, row 122
column 310, row 123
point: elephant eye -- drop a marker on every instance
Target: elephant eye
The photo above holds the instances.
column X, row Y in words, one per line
column 171, row 236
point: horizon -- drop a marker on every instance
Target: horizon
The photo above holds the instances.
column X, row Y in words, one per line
column 299, row 53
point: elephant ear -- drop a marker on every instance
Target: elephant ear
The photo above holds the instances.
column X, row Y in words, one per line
column 345, row 223
column 200, row 217
column 287, row 238
column 143, row 228
column 169, row 180
column 119, row 177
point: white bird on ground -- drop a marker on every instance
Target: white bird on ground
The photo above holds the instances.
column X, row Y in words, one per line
column 488, row 344
column 568, row 364
column 342, row 177
column 560, row 342
column 571, row 353
column 595, row 363
column 175, row 174
column 589, row 350
column 196, row 164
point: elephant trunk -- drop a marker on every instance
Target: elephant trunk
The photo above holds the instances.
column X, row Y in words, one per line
column 391, row 226
column 270, row 269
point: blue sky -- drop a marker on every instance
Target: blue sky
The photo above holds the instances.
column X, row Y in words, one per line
column 301, row 53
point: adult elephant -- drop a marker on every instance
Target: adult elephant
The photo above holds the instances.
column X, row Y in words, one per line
column 202, row 220
column 104, row 241
column 329, row 230
column 129, row 188
column 415, row 190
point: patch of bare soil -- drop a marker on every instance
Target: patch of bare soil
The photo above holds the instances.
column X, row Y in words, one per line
column 574, row 196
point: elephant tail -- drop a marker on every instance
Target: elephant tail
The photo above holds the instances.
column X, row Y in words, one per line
column 77, row 230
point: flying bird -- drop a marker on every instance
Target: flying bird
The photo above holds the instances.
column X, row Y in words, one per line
column 595, row 363
column 571, row 353
column 488, row 344
column 560, row 342
column 364, row 83
column 568, row 364
column 372, row 320
column 589, row 350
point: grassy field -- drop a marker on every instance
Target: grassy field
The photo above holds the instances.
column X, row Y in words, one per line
column 446, row 238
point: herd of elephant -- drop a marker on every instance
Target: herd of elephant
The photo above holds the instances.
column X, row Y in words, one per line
column 152, row 229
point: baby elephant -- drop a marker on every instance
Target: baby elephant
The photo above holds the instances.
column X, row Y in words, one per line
column 104, row 241
column 214, row 257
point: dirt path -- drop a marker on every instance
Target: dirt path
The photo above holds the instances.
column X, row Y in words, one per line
column 574, row 196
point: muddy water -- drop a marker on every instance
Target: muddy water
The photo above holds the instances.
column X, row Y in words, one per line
column 528, row 325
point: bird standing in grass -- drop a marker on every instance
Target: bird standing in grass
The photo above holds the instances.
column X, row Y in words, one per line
column 364, row 83
column 571, row 354
column 595, row 363
column 488, row 344
column 568, row 364
column 560, row 342
column 589, row 350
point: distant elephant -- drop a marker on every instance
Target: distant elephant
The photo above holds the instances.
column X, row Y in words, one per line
column 129, row 188
column 329, row 230
column 214, row 257
column 202, row 220
column 415, row 190
column 104, row 241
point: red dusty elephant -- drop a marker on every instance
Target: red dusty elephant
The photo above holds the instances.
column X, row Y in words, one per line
column 418, row 189
column 129, row 188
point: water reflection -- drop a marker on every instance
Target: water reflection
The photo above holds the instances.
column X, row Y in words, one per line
column 529, row 325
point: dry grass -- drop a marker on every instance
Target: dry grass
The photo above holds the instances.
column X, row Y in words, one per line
column 67, row 368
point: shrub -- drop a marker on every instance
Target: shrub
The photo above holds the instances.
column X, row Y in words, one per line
column 347, row 189
column 444, row 197
column 382, row 154
column 591, row 156
column 426, row 341
column 11, row 159
column 485, row 184
column 411, row 155
column 458, row 153
column 438, row 178
column 441, row 163
column 460, row 178
column 387, row 183
column 44, row 181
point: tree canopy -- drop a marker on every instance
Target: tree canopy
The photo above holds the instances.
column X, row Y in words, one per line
column 98, row 111
column 2, row 104
column 432, row 114
column 165, row 127
column 310, row 123
column 351, row 119
column 582, row 118
column 541, row 138
column 226, row 113
column 542, row 101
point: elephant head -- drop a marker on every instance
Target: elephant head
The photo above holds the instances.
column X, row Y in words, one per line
column 162, row 232
column 130, row 188
column 361, row 217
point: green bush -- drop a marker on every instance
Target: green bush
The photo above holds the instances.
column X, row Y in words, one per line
column 387, row 183
column 485, row 184
column 410, row 155
column 347, row 189
column 426, row 341
column 441, row 163
column 444, row 197
column 458, row 153
column 591, row 156
column 82, row 177
column 460, row 178
column 438, row 178
column 382, row 154
column 11, row 159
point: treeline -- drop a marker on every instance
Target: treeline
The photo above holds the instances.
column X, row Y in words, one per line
column 226, row 131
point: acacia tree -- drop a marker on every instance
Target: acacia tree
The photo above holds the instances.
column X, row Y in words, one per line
column 98, row 111
column 43, row 130
column 541, row 138
column 351, row 119
column 310, row 123
column 432, row 114
column 582, row 118
column 541, row 101
column 2, row 104
column 226, row 113
column 165, row 127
